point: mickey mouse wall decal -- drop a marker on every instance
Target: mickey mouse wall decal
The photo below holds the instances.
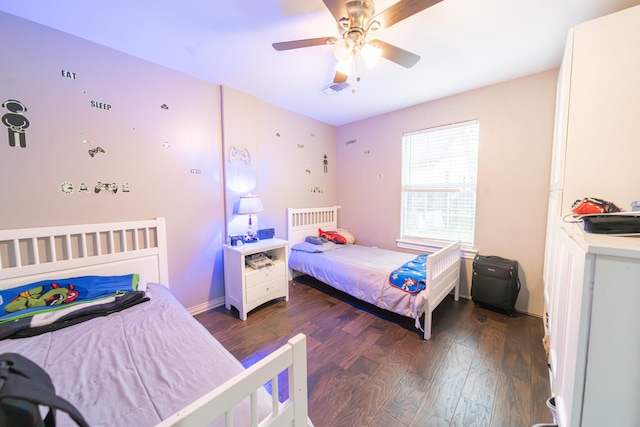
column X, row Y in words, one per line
column 241, row 154
column 16, row 122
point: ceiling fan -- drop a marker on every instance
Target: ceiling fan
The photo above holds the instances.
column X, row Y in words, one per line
column 356, row 21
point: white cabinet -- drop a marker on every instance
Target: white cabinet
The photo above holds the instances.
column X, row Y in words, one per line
column 594, row 325
column 246, row 288
column 597, row 128
column 592, row 282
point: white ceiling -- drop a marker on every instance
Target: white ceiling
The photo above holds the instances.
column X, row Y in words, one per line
column 463, row 44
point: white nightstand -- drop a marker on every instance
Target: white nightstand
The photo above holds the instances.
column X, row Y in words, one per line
column 246, row 288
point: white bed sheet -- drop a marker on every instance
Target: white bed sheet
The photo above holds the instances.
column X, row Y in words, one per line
column 362, row 272
column 135, row 367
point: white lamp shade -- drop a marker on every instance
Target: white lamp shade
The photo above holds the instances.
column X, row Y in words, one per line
column 250, row 204
column 345, row 66
column 371, row 54
column 343, row 49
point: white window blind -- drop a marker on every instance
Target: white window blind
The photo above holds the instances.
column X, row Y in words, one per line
column 439, row 176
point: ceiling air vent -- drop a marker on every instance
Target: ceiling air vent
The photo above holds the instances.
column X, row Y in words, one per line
column 335, row 88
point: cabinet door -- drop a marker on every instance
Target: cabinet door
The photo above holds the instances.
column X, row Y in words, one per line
column 571, row 303
column 603, row 126
column 563, row 91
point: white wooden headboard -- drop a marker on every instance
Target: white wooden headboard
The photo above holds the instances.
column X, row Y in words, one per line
column 303, row 222
column 32, row 254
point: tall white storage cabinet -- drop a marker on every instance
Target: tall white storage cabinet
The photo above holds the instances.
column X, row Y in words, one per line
column 592, row 282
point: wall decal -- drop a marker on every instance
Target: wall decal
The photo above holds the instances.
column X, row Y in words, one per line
column 66, row 187
column 300, row 145
column 166, row 145
column 241, row 154
column 100, row 105
column 325, row 162
column 367, row 152
column 105, row 186
column 277, row 133
column 164, row 106
column 15, row 122
column 308, row 171
column 314, row 190
column 68, row 74
column 92, row 151
column 353, row 141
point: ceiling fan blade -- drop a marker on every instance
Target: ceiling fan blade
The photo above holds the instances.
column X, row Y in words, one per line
column 295, row 44
column 397, row 55
column 338, row 9
column 340, row 77
column 402, row 10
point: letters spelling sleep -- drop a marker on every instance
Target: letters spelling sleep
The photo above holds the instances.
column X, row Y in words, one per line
column 100, row 105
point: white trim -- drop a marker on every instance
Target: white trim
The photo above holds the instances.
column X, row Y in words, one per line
column 431, row 246
column 205, row 306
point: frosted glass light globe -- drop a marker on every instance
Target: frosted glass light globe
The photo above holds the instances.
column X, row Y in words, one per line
column 342, row 49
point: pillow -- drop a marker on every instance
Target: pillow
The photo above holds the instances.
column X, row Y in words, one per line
column 332, row 236
column 315, row 240
column 313, row 248
column 351, row 239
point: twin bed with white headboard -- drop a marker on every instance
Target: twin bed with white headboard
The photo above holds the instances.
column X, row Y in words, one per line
column 148, row 364
column 364, row 272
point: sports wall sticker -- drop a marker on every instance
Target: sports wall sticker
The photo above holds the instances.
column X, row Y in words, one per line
column 16, row 122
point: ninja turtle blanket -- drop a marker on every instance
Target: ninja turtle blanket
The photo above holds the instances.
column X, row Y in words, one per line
column 53, row 304
column 412, row 276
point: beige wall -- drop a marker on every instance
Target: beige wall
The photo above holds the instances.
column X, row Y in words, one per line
column 132, row 132
column 285, row 168
column 202, row 123
column 152, row 149
column 516, row 131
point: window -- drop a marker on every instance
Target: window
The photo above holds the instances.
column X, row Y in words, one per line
column 439, row 175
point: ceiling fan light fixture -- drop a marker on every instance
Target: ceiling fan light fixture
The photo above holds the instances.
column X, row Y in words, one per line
column 374, row 26
column 345, row 66
column 343, row 49
column 371, row 54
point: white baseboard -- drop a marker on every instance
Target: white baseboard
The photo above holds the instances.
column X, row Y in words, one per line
column 201, row 308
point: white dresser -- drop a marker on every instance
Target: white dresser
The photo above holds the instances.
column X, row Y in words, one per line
column 594, row 328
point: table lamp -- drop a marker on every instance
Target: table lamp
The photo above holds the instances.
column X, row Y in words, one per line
column 249, row 205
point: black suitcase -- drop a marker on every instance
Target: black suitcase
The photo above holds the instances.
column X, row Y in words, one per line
column 495, row 283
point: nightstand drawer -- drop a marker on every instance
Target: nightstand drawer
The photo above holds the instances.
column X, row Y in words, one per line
column 258, row 277
column 265, row 289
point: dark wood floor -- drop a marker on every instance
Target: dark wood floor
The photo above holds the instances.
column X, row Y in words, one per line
column 369, row 368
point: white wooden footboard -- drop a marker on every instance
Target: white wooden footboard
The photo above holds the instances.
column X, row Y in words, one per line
column 443, row 276
column 220, row 401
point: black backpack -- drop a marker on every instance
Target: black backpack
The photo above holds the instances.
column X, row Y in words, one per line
column 25, row 385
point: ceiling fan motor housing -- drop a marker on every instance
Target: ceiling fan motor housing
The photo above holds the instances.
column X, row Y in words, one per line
column 359, row 20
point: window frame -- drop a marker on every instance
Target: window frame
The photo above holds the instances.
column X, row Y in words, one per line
column 415, row 242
